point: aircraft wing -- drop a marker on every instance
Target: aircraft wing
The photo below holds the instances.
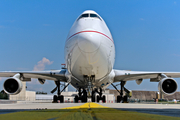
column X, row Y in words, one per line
column 125, row 75
column 49, row 75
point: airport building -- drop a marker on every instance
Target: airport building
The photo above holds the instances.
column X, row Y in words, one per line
column 69, row 97
column 111, row 95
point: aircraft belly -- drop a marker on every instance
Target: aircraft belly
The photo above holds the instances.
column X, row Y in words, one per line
column 103, row 83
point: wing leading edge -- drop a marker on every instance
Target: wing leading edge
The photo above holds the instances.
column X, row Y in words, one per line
column 125, row 75
column 49, row 75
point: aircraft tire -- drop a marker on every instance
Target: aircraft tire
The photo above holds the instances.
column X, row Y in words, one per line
column 55, row 99
column 61, row 99
column 93, row 98
column 125, row 100
column 98, row 98
column 76, row 99
column 84, row 98
column 104, row 99
column 118, row 99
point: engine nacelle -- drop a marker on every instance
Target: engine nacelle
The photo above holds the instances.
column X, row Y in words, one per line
column 168, row 86
column 12, row 86
column 42, row 81
column 139, row 81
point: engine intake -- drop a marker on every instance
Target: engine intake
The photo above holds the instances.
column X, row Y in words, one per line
column 12, row 86
column 168, row 86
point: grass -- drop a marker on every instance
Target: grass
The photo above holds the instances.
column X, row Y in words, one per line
column 83, row 114
column 88, row 111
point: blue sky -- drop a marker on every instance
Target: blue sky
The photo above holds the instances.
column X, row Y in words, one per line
column 146, row 35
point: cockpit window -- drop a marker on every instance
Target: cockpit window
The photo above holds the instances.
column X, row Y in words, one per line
column 83, row 16
column 95, row 16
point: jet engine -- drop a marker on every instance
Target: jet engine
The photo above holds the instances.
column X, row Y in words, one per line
column 168, row 86
column 12, row 86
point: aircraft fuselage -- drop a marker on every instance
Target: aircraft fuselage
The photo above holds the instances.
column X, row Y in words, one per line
column 89, row 50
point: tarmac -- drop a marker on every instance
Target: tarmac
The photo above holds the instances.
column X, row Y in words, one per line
column 160, row 109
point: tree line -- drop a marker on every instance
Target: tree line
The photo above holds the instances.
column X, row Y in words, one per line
column 3, row 95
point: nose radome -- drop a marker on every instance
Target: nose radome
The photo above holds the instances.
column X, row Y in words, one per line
column 89, row 41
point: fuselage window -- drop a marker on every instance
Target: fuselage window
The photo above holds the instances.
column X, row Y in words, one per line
column 95, row 16
column 83, row 16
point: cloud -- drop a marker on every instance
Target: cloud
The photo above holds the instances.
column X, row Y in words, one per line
column 141, row 19
column 42, row 64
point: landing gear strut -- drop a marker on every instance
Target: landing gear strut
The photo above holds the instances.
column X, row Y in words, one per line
column 93, row 95
column 121, row 98
column 58, row 97
column 82, row 95
column 100, row 97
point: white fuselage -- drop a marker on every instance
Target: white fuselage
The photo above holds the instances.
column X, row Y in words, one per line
column 90, row 50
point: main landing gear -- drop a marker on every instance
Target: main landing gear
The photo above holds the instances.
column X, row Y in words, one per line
column 121, row 98
column 58, row 97
column 82, row 95
column 99, row 97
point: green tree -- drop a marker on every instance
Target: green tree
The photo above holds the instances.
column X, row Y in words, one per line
column 3, row 95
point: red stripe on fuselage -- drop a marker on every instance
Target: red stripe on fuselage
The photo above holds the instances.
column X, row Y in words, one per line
column 90, row 31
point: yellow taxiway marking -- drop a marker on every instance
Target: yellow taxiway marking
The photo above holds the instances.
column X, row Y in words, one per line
column 87, row 105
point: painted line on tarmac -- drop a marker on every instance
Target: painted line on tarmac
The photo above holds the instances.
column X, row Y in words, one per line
column 87, row 105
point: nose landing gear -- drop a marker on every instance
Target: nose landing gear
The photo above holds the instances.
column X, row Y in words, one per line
column 82, row 93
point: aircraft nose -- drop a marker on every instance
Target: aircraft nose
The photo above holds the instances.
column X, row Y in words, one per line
column 89, row 41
